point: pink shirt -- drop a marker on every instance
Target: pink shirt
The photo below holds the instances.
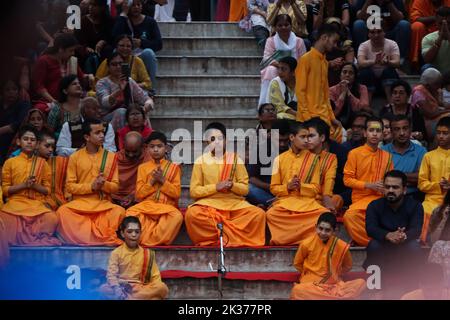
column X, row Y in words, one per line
column 366, row 50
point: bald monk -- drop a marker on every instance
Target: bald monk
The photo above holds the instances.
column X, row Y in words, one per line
column 219, row 184
column 319, row 133
column 312, row 89
column 158, row 187
column 58, row 168
column 91, row 219
column 322, row 259
column 364, row 173
column 129, row 159
column 132, row 270
column 26, row 183
column 296, row 184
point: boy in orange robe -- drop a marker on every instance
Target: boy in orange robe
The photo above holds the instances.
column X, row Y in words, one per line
column 219, row 183
column 158, row 187
column 91, row 218
column 364, row 173
column 26, row 183
column 322, row 259
column 296, row 184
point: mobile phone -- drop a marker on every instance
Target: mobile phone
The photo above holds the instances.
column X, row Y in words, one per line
column 126, row 69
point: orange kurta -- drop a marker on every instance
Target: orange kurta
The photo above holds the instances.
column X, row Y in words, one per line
column 58, row 168
column 312, row 91
column 157, row 211
column 4, row 247
column 243, row 223
column 363, row 165
column 328, row 167
column 90, row 218
column 321, row 266
column 137, row 269
column 420, row 9
column 238, row 10
column 25, row 217
column 294, row 214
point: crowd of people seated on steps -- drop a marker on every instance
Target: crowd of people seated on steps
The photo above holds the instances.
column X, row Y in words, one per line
column 75, row 101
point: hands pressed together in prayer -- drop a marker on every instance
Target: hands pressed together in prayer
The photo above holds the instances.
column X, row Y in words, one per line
column 397, row 237
column 294, row 184
column 444, row 184
column 224, row 186
column 157, row 176
column 98, row 183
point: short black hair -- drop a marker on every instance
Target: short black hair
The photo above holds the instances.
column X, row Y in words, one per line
column 360, row 114
column 328, row 217
column 27, row 128
column 134, row 106
column 157, row 135
column 46, row 133
column 327, row 29
column 373, row 119
column 295, row 127
column 444, row 122
column 64, row 84
column 397, row 174
column 282, row 125
column 443, row 12
column 290, row 61
column 121, row 37
column 217, row 126
column 112, row 56
column 400, row 117
column 123, row 225
column 321, row 127
column 262, row 105
column 64, row 41
column 401, row 83
column 86, row 127
column 282, row 16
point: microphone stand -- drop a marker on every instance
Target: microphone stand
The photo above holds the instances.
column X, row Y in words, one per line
column 221, row 270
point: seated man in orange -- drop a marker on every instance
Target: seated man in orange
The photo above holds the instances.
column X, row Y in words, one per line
column 129, row 159
column 158, row 187
column 4, row 247
column 26, row 183
column 58, row 169
column 296, row 184
column 91, row 219
column 219, row 184
column 364, row 173
column 319, row 134
column 322, row 259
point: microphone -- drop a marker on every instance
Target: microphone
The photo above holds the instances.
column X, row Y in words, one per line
column 220, row 226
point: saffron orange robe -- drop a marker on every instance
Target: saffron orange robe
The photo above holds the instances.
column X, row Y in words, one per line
column 128, row 173
column 161, row 220
column 57, row 196
column 4, row 247
column 420, row 9
column 294, row 214
column 321, row 266
column 312, row 91
column 363, row 165
column 238, row 10
column 435, row 166
column 243, row 223
column 420, row 295
column 328, row 167
column 26, row 219
column 137, row 270
column 91, row 218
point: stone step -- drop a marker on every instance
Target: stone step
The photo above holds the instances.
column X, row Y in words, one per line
column 209, row 85
column 185, row 125
column 201, row 29
column 185, row 258
column 208, row 65
column 207, row 105
column 201, row 46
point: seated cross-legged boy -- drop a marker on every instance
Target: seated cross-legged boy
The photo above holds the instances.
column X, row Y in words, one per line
column 219, row 183
column 58, row 169
column 296, row 184
column 132, row 270
column 158, row 187
column 25, row 184
column 322, row 259
column 364, row 173
column 91, row 218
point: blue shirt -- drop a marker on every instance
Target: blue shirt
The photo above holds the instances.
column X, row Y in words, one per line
column 409, row 162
